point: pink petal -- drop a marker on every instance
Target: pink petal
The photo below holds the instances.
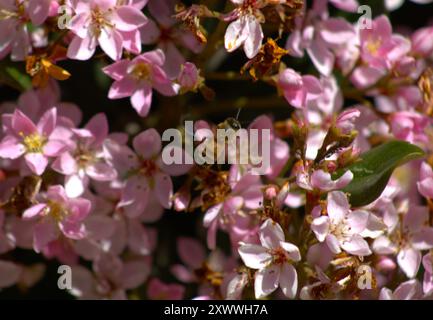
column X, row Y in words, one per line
column 43, row 233
column 266, row 281
column 22, row 125
column 128, row 18
column 100, row 171
column 37, row 162
column 141, row 100
column 150, row 32
column 75, row 186
column 10, row 148
column 409, row 261
column 47, row 124
column 81, row 49
column 271, row 234
column 320, row 227
column 191, row 252
column 333, row 243
column 322, row 58
column 98, row 126
column 289, row 280
column 139, row 239
column 212, row 214
column 236, row 34
column 122, row 88
column 111, row 43
column 117, row 70
column 357, row 220
column 54, row 148
column 79, row 209
column 338, row 205
column 254, row 256
column 356, row 246
column 65, row 164
column 38, row 11
column 33, row 211
column 148, row 143
column 163, row 189
column 253, row 42
column 134, row 273
column 408, row 290
column 292, row 250
column 79, row 24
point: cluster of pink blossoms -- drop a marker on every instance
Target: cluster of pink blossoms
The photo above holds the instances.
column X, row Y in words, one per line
column 74, row 192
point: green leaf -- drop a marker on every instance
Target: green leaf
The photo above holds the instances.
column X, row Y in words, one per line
column 372, row 172
column 14, row 75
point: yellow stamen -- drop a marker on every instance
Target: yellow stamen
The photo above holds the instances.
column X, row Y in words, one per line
column 34, row 142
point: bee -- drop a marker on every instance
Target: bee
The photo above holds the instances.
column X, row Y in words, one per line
column 23, row 195
column 230, row 123
column 231, row 126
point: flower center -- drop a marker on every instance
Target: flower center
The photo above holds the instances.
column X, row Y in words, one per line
column 148, row 168
column 206, row 275
column 55, row 210
column 279, row 256
column 340, row 230
column 100, row 21
column 34, row 142
column 141, row 71
column 374, row 45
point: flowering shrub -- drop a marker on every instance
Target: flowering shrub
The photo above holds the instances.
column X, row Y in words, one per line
column 344, row 209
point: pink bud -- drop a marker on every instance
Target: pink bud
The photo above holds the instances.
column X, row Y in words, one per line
column 54, row 9
column 422, row 42
column 346, row 120
column 189, row 77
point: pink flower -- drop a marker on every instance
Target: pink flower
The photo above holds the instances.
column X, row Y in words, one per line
column 137, row 78
column 106, row 23
column 35, row 142
column 409, row 290
column 39, row 10
column 158, row 290
column 110, row 277
column 57, row 214
column 279, row 149
column 244, row 193
column 346, row 5
column 86, row 158
column 246, row 29
column 143, row 175
column 422, row 42
column 407, row 240
column 197, row 268
column 410, row 126
column 167, row 36
column 341, row 228
column 298, row 90
column 425, row 184
column 346, row 120
column 379, row 47
column 320, row 180
column 14, row 35
column 189, row 77
column 326, row 41
column 274, row 260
